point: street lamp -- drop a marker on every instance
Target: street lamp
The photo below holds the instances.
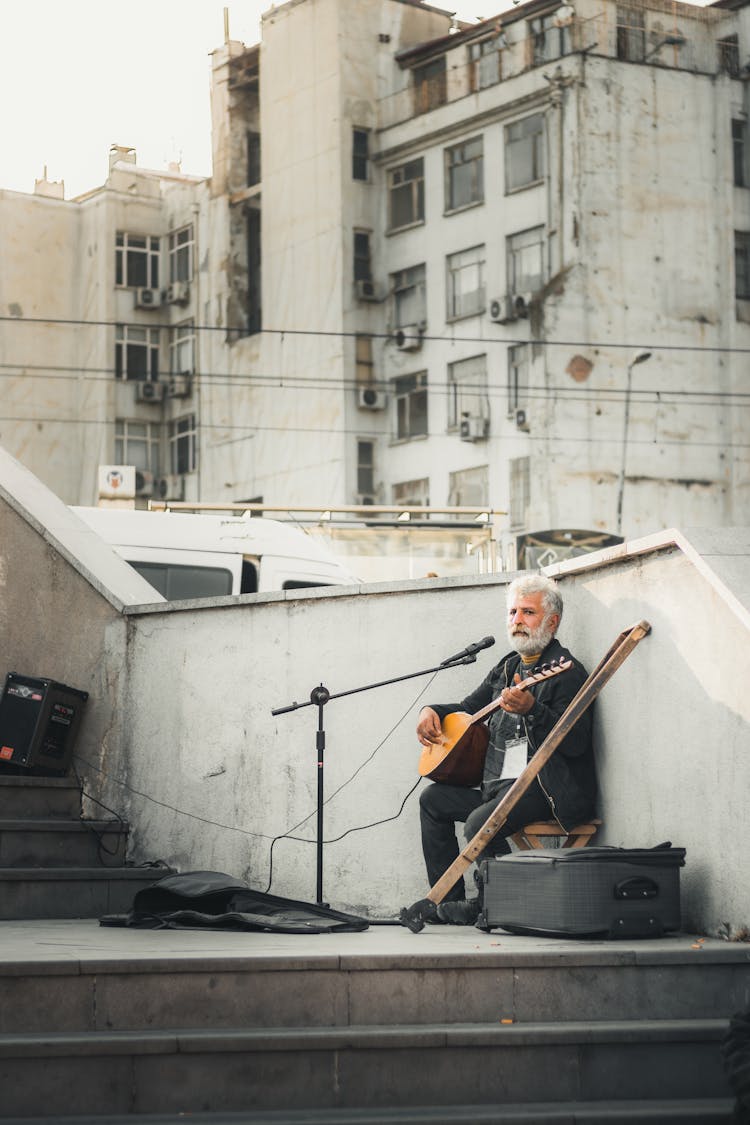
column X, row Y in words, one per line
column 639, row 357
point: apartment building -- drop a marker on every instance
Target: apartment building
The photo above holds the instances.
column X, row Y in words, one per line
column 501, row 264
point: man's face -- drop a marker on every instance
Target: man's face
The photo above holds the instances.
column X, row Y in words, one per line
column 529, row 631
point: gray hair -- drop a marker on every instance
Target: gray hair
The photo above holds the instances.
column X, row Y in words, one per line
column 538, row 584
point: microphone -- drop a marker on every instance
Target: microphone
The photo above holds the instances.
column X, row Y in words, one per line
column 470, row 650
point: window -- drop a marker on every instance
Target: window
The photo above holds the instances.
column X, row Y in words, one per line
column 518, row 377
column 467, row 390
column 362, row 263
column 180, row 583
column 412, row 493
column 631, row 34
column 409, row 296
column 739, row 152
column 465, row 283
column 742, row 265
column 524, row 152
column 254, row 287
column 136, row 352
column 410, row 394
column 363, row 361
column 464, row 174
column 182, row 444
column 136, row 261
column 406, row 194
column 360, row 154
column 547, row 40
column 469, row 488
column 519, row 490
column 729, row 56
column 182, row 349
column 430, row 89
column 366, row 468
column 253, row 158
column 526, row 271
column 138, row 443
column 484, row 63
column 181, row 254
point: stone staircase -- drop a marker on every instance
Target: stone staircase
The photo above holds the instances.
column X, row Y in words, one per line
column 53, row 864
column 449, row 1026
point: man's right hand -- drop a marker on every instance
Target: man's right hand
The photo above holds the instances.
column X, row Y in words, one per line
column 428, row 727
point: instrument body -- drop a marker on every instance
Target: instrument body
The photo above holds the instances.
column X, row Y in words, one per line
column 458, row 759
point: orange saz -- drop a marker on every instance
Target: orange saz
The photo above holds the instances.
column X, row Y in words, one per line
column 458, row 758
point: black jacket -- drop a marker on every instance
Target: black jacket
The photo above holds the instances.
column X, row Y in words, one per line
column 569, row 777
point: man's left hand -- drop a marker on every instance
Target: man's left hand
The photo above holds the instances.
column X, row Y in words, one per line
column 515, row 701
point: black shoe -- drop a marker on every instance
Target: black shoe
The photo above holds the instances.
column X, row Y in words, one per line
column 463, row 912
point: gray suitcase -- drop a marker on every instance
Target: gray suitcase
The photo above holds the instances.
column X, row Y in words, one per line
column 584, row 892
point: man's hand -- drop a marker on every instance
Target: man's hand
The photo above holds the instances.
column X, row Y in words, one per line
column 516, row 702
column 428, row 727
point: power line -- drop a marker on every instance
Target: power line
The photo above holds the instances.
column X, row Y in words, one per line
column 239, row 334
column 362, row 433
column 656, row 395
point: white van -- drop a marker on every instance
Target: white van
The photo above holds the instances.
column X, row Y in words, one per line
column 206, row 556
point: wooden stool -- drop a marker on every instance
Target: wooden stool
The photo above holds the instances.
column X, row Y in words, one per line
column 532, row 835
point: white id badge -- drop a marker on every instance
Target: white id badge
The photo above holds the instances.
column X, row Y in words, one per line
column 514, row 762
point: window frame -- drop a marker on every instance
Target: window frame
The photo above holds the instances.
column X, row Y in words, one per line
column 481, row 60
column 132, row 337
column 630, row 33
column 536, row 140
column 410, row 398
column 476, row 299
column 182, row 444
column 409, row 291
column 180, row 336
column 739, row 151
column 360, row 159
column 126, row 441
column 518, row 377
column 430, row 85
column 460, row 479
column 464, row 396
column 742, row 265
column 514, row 247
column 412, row 187
column 456, row 158
column 362, row 263
column 181, row 252
column 128, row 255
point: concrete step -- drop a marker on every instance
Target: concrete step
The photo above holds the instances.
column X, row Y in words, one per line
column 124, row 982
column 700, row 1111
column 191, row 1071
column 83, row 892
column 54, row 842
column 39, row 796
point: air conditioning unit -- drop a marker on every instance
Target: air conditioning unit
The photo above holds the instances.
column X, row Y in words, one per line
column 521, row 302
column 473, row 427
column 366, row 291
column 409, row 338
column 149, row 392
column 502, row 311
column 522, row 421
column 370, row 398
column 171, row 487
column 147, row 298
column 366, row 498
column 178, row 293
column 144, row 483
column 179, row 386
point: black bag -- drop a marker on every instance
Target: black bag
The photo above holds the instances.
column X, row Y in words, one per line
column 584, row 892
column 213, row 900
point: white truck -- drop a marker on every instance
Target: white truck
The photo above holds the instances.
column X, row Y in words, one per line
column 188, row 556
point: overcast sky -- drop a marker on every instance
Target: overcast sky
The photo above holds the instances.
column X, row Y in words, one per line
column 77, row 76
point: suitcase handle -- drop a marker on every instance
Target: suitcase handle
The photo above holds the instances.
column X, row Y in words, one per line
column 637, row 886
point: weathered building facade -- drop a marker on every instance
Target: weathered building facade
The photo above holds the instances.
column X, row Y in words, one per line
column 505, row 264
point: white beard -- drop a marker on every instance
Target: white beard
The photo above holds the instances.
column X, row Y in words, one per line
column 533, row 641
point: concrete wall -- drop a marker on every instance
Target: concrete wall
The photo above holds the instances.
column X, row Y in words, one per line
column 179, row 736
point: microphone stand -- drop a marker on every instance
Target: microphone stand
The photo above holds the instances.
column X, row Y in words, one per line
column 319, row 696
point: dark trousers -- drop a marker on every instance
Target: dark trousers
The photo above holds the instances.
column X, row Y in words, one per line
column 441, row 807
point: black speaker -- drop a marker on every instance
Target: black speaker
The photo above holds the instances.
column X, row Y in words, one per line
column 39, row 721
